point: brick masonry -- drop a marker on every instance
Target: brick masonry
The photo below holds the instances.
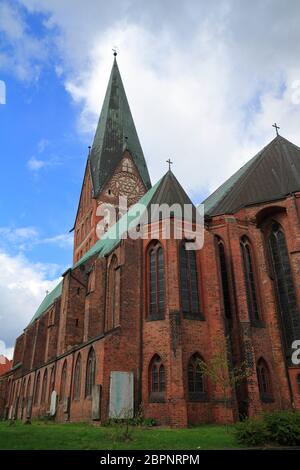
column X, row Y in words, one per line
column 79, row 320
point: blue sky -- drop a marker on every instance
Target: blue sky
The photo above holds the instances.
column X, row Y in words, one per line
column 205, row 82
column 43, row 160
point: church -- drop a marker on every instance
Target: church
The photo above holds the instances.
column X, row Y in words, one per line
column 126, row 328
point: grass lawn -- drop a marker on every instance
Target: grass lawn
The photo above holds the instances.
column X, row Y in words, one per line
column 82, row 436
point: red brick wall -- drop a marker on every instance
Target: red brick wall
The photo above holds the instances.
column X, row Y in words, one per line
column 134, row 341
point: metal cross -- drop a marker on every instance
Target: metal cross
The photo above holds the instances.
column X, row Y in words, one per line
column 276, row 127
column 170, row 163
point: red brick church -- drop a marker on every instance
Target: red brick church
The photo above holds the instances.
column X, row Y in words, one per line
column 130, row 319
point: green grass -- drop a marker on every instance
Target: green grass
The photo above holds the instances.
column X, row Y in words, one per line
column 82, row 436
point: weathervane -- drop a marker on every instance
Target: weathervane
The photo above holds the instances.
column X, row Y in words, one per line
column 170, row 163
column 115, row 51
column 276, row 127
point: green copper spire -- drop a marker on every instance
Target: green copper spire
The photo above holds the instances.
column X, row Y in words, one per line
column 115, row 129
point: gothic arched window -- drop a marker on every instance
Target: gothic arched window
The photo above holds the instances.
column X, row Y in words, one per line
column 156, row 281
column 284, row 285
column 37, row 389
column 157, row 379
column 188, row 280
column 264, row 381
column 112, row 295
column 196, row 383
column 90, row 373
column 77, row 379
column 249, row 276
column 63, row 382
column 44, row 387
column 224, row 277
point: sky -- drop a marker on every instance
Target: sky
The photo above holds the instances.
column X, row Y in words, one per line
column 205, row 82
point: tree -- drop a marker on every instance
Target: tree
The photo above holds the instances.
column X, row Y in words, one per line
column 219, row 370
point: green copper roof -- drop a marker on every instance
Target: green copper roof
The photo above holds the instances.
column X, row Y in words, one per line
column 115, row 126
column 166, row 191
column 271, row 175
column 111, row 239
column 48, row 301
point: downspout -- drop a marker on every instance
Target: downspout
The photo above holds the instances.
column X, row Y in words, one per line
column 141, row 324
column 71, row 386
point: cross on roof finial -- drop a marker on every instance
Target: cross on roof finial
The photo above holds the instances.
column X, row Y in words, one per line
column 276, row 127
column 170, row 163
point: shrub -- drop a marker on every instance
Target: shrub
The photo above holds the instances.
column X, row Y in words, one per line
column 252, row 432
column 278, row 427
column 284, row 427
column 149, row 422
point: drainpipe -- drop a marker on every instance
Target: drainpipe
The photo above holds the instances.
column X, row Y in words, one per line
column 71, row 386
column 141, row 324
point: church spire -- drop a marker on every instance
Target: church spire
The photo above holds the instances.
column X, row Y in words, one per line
column 115, row 126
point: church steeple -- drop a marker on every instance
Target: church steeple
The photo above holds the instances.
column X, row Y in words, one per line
column 115, row 130
column 116, row 165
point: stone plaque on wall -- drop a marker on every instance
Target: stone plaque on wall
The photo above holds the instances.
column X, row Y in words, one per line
column 96, row 399
column 66, row 405
column 53, row 403
column 29, row 408
column 121, row 402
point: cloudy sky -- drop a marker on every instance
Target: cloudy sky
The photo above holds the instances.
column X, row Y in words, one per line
column 205, row 81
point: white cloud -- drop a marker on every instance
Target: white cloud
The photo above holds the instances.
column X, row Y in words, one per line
column 23, row 286
column 42, row 145
column 24, row 238
column 205, row 81
column 35, row 164
column 21, row 53
column 64, row 240
column 5, row 352
column 10, row 22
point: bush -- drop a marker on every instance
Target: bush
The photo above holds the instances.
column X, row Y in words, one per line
column 149, row 422
column 252, row 432
column 280, row 427
column 284, row 427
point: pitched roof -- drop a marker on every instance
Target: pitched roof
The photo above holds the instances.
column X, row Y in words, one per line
column 114, row 126
column 48, row 301
column 171, row 192
column 111, row 239
column 166, row 191
column 270, row 175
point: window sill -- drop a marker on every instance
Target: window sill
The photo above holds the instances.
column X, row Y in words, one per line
column 193, row 316
column 257, row 324
column 267, row 399
column 157, row 397
column 198, row 397
column 155, row 317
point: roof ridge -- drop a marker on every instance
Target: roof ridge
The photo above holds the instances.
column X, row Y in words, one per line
column 254, row 182
column 256, row 161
